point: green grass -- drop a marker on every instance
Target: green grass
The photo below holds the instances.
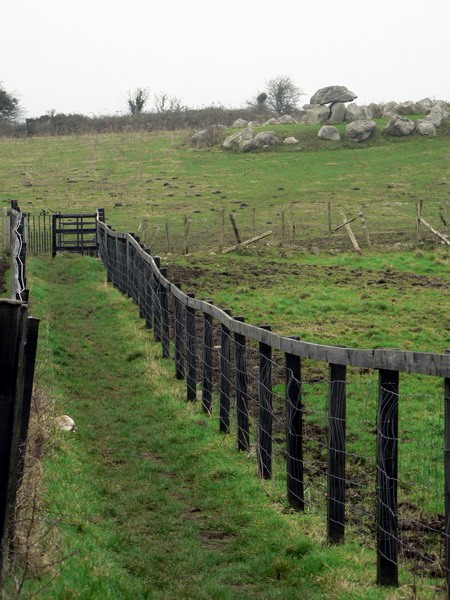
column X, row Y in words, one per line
column 159, row 177
column 152, row 502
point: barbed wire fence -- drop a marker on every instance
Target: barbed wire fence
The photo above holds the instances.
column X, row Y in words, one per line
column 327, row 426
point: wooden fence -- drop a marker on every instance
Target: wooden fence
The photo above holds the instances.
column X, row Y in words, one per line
column 192, row 331
column 18, row 345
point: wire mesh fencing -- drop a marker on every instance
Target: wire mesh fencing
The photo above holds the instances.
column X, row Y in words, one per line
column 334, row 430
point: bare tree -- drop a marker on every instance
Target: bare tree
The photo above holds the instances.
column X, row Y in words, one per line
column 282, row 94
column 137, row 100
column 164, row 103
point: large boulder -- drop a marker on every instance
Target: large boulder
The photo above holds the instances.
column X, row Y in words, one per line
column 399, row 126
column 318, row 114
column 375, row 110
column 271, row 121
column 361, row 130
column 328, row 132
column 332, row 93
column 233, row 141
column 261, row 140
column 353, row 112
column 240, row 123
column 424, row 106
column 267, row 138
column 389, row 109
column 337, row 113
column 207, row 137
column 250, row 145
column 407, row 108
column 286, row 120
column 437, row 116
column 424, row 127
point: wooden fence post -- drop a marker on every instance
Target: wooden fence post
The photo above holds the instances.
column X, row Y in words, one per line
column 13, row 327
column 222, row 230
column 156, row 303
column 178, row 336
column 191, row 353
column 336, row 453
column 207, row 372
column 447, row 479
column 387, row 471
column 225, row 377
column 294, row 441
column 265, row 409
column 165, row 324
column 240, row 363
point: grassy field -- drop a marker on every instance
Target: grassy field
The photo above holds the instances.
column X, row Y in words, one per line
column 159, row 177
column 395, row 295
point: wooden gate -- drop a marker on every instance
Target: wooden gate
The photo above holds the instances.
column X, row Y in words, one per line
column 74, row 233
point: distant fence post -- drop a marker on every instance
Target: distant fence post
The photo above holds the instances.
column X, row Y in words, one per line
column 294, row 442
column 387, row 471
column 6, row 231
column 265, row 409
column 336, row 453
column 240, row 364
column 207, row 373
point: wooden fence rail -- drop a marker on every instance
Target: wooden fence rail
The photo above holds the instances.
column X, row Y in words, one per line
column 134, row 272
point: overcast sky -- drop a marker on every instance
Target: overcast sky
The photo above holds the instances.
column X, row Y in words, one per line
column 84, row 56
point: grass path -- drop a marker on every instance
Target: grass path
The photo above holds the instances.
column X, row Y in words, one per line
column 153, row 502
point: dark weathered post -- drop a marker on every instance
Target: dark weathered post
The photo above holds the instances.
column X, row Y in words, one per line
column 148, row 296
column 165, row 333
column 156, row 303
column 240, row 363
column 225, row 377
column 387, row 470
column 294, row 441
column 336, row 453
column 178, row 336
column 447, row 479
column 265, row 409
column 207, row 371
column 54, row 218
column 30, row 361
column 191, row 353
column 13, row 325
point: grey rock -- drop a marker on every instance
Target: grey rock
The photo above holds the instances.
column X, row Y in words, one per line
column 359, row 131
column 291, row 140
column 399, row 126
column 437, row 116
column 233, row 141
column 271, row 121
column 442, row 104
column 286, row 120
column 353, row 112
column 240, row 123
column 307, row 106
column 250, row 145
column 366, row 112
column 389, row 109
column 424, row 127
column 318, row 114
column 328, row 132
column 332, row 93
column 376, row 110
column 267, row 138
column 207, row 137
column 337, row 113
column 424, row 106
column 406, row 108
